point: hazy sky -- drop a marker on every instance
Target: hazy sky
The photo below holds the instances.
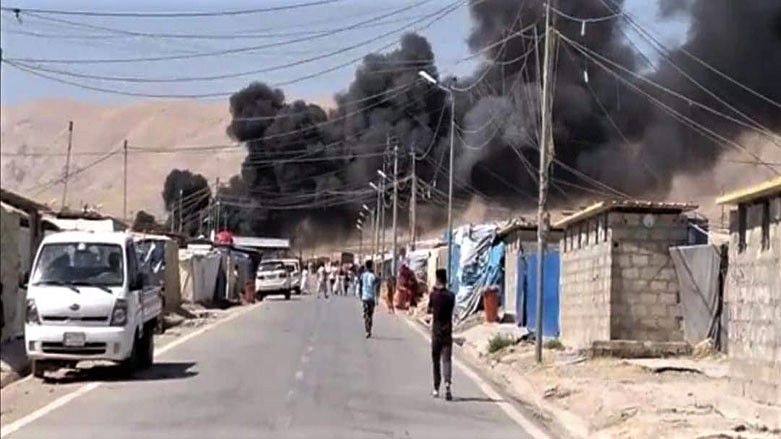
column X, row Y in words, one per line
column 82, row 40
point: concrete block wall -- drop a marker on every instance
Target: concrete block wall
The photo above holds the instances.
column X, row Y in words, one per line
column 645, row 296
column 753, row 304
column 584, row 302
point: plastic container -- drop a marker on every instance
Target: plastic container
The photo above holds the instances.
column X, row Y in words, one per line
column 491, row 305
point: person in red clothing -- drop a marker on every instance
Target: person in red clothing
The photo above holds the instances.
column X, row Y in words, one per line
column 441, row 303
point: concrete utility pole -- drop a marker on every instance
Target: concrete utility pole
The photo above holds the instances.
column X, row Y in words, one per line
column 216, row 225
column 413, row 200
column 67, row 167
column 383, row 188
column 124, row 185
column 450, row 188
column 394, row 268
column 181, row 216
column 546, row 153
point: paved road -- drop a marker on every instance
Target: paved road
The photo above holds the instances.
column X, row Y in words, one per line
column 298, row 369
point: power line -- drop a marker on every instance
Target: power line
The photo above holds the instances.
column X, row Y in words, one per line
column 18, row 10
column 236, row 50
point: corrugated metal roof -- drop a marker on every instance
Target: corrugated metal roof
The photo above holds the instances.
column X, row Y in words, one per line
column 766, row 188
column 636, row 205
column 258, row 242
column 20, row 202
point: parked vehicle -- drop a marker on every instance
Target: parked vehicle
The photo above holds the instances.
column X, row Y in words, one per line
column 294, row 270
column 273, row 278
column 87, row 299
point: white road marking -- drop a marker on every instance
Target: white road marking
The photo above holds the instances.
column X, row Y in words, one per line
column 7, row 430
column 514, row 414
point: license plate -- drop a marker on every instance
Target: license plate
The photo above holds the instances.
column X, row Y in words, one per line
column 74, row 339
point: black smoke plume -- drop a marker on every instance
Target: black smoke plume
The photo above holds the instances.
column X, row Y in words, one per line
column 186, row 196
column 307, row 168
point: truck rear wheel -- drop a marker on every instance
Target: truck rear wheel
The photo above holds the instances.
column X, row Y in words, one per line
column 287, row 295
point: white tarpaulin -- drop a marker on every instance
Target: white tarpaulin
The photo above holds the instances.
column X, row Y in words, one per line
column 198, row 275
column 697, row 268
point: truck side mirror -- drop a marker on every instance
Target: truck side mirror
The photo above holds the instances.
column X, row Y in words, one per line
column 24, row 280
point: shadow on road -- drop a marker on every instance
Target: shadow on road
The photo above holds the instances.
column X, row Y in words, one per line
column 112, row 373
column 473, row 399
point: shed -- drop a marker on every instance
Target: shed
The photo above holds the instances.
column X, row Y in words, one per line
column 617, row 276
column 520, row 275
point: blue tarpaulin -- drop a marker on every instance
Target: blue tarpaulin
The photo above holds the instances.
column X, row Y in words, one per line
column 526, row 282
column 477, row 263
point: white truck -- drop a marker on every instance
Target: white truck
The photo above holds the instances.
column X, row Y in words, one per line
column 87, row 299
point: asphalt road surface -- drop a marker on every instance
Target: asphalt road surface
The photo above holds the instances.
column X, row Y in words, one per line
column 297, row 369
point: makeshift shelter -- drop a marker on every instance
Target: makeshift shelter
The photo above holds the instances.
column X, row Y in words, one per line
column 520, row 276
column 477, row 265
column 199, row 273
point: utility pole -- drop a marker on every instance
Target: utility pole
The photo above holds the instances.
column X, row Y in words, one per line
column 413, row 200
column 450, row 271
column 394, row 268
column 546, row 153
column 124, row 184
column 383, row 189
column 216, row 225
column 181, row 216
column 67, row 166
column 377, row 222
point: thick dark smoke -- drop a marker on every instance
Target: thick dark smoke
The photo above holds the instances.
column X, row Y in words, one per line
column 301, row 155
column 186, row 197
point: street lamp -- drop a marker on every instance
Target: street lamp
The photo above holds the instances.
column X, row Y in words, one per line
column 374, row 186
column 382, row 174
column 365, row 207
column 431, row 80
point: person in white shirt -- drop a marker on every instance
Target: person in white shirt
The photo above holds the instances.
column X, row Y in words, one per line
column 322, row 282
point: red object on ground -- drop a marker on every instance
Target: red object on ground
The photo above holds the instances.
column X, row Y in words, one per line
column 224, row 237
column 491, row 305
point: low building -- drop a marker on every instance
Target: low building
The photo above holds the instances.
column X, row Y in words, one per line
column 753, row 291
column 520, row 260
column 618, row 281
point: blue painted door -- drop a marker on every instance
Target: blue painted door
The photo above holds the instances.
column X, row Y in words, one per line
column 550, row 319
column 520, row 288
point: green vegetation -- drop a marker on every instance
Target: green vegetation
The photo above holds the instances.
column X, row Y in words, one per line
column 553, row 343
column 499, row 342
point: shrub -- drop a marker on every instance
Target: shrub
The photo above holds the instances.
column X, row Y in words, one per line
column 499, row 342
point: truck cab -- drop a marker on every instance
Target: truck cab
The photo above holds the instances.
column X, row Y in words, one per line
column 87, row 299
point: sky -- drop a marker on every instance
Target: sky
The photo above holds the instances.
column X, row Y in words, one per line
column 286, row 37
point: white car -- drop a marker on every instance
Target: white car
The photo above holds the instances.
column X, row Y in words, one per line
column 294, row 269
column 87, row 300
column 273, row 278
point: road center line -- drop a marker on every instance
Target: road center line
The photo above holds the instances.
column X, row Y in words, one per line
column 513, row 413
column 7, row 430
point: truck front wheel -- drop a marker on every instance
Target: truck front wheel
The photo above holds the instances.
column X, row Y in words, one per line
column 130, row 364
column 39, row 368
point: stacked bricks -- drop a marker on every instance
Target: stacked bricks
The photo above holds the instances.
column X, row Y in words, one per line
column 753, row 304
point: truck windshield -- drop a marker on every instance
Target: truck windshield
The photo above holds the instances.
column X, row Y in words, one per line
column 271, row 266
column 80, row 263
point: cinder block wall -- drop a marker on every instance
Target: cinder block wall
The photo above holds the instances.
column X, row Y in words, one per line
column 644, row 294
column 753, row 303
column 584, row 302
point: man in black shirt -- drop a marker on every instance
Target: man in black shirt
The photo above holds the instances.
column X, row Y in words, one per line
column 440, row 305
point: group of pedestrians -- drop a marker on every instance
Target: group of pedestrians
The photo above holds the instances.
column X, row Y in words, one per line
column 332, row 280
column 440, row 307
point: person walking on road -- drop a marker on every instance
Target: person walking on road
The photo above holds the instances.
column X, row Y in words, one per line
column 370, row 285
column 322, row 282
column 440, row 305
